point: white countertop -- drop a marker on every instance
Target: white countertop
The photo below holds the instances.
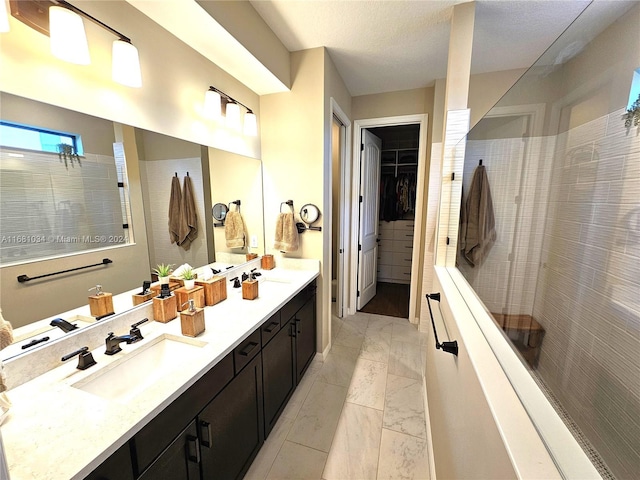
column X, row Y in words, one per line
column 57, row 431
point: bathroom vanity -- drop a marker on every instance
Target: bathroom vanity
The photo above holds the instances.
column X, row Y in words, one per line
column 199, row 408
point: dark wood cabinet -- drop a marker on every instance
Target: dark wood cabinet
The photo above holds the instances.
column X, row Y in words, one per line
column 278, row 373
column 231, row 427
column 116, row 467
column 217, row 426
column 180, row 460
column 305, row 334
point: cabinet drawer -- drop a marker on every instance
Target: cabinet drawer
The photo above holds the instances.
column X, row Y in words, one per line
column 402, row 259
column 404, row 225
column 401, row 273
column 385, row 271
column 385, row 234
column 248, row 349
column 157, row 435
column 270, row 328
column 403, row 246
column 290, row 309
column 403, row 235
column 385, row 246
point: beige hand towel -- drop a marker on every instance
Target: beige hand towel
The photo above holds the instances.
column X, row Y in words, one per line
column 286, row 237
column 175, row 211
column 480, row 230
column 189, row 215
column 234, row 230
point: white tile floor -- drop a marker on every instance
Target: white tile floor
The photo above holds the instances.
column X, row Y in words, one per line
column 360, row 414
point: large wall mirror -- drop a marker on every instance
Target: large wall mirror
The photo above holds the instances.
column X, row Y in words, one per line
column 108, row 196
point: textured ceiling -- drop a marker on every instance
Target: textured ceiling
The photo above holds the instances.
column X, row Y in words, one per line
column 381, row 46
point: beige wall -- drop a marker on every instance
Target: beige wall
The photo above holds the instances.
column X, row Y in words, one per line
column 405, row 102
column 292, row 131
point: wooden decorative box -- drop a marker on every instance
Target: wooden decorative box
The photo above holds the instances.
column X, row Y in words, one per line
column 215, row 290
column 138, row 299
column 101, row 305
column 250, row 289
column 165, row 309
column 196, row 294
column 267, row 262
column 179, row 280
column 192, row 323
column 251, row 256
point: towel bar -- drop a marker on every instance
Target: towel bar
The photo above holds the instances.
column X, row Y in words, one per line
column 449, row 347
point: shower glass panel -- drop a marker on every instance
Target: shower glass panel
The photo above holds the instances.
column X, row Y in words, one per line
column 555, row 254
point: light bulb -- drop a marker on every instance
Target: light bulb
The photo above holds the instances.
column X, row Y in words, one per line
column 233, row 116
column 125, row 64
column 250, row 124
column 212, row 105
column 4, row 17
column 68, row 38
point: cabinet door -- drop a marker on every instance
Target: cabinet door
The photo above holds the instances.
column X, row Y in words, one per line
column 278, row 374
column 181, row 459
column 117, row 467
column 305, row 326
column 231, row 427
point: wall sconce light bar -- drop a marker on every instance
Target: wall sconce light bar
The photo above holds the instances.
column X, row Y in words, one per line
column 36, row 14
column 215, row 98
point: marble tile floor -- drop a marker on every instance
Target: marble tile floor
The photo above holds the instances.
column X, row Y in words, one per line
column 360, row 414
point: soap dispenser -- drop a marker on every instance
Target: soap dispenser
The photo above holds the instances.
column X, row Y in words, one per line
column 165, row 306
column 100, row 303
column 191, row 319
column 250, row 288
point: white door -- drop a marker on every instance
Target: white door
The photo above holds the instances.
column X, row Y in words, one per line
column 369, row 206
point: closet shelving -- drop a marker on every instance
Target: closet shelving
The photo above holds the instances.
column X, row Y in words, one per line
column 399, row 159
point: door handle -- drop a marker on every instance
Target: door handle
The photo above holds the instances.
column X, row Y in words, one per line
column 193, row 449
column 297, row 325
column 292, row 329
column 248, row 350
column 205, row 433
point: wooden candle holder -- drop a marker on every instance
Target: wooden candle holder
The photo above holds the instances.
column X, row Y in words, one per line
column 267, row 262
column 101, row 305
column 165, row 309
column 215, row 290
column 192, row 323
column 250, row 289
column 196, row 294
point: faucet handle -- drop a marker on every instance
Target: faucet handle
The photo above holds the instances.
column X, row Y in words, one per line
column 85, row 359
column 135, row 331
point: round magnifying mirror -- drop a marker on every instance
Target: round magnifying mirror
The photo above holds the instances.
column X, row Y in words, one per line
column 309, row 213
column 220, row 211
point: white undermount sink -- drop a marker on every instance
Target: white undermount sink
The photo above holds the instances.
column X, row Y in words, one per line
column 131, row 375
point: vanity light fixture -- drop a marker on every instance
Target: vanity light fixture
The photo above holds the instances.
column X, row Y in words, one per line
column 4, row 17
column 64, row 24
column 215, row 100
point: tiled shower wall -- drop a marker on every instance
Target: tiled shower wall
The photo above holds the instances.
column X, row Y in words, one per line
column 517, row 169
column 48, row 208
column 588, row 290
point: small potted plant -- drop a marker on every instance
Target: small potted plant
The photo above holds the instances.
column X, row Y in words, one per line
column 189, row 277
column 163, row 271
column 632, row 115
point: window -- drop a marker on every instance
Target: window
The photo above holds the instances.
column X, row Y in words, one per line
column 26, row 137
